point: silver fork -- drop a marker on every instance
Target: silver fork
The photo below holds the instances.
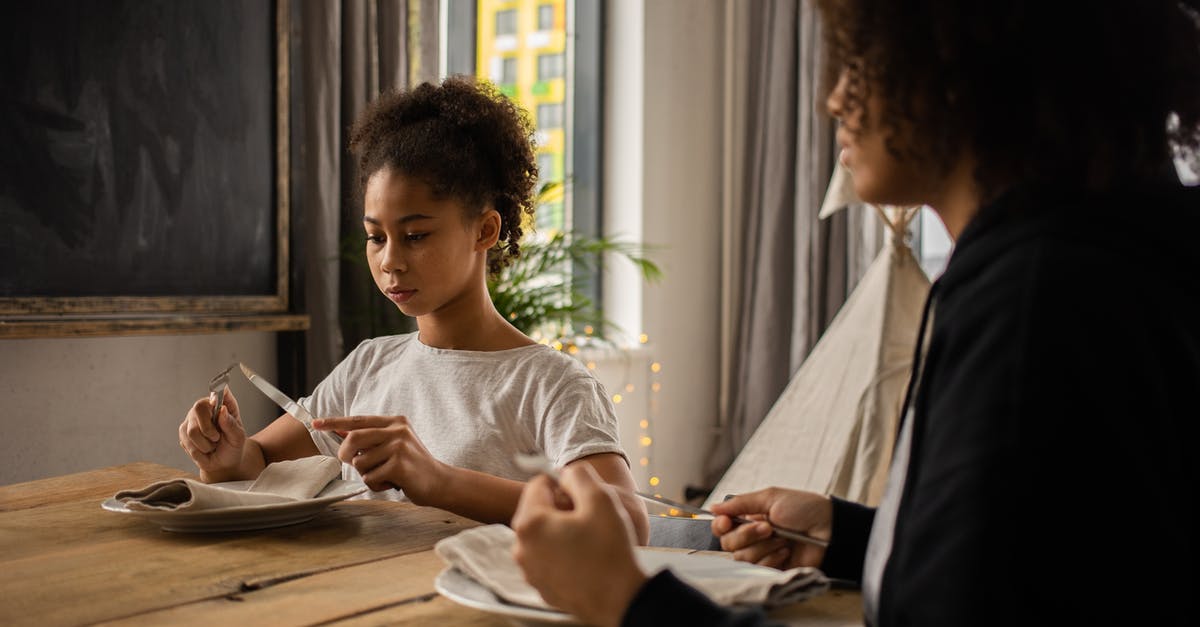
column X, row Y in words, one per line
column 535, row 463
column 217, row 386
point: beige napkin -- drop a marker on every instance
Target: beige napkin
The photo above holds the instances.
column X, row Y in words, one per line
column 279, row 482
column 485, row 555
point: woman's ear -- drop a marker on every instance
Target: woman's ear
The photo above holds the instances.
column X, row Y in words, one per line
column 489, row 229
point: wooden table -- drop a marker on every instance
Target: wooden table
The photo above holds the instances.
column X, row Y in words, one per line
column 65, row 561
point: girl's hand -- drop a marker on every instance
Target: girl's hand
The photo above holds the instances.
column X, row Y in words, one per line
column 806, row 512
column 388, row 454
column 216, row 449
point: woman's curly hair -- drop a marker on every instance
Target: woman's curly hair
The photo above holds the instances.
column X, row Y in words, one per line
column 1090, row 94
column 465, row 140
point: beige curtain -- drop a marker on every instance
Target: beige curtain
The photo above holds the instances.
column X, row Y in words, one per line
column 785, row 272
column 350, row 51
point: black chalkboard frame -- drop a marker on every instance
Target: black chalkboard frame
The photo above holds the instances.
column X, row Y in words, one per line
column 25, row 316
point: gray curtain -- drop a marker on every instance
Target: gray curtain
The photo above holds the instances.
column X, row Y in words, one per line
column 351, row 50
column 786, row 273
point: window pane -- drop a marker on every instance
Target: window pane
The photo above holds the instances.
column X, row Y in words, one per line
column 550, row 66
column 549, row 116
column 508, row 71
column 546, row 17
column 933, row 243
column 545, row 163
column 506, row 22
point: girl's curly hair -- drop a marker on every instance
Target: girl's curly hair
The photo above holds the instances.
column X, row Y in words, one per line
column 1089, row 94
column 465, row 140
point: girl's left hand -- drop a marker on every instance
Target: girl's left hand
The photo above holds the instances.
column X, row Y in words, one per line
column 387, row 453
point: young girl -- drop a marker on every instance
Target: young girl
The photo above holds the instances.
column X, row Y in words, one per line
column 1045, row 471
column 446, row 173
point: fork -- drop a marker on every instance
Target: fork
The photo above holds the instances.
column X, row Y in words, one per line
column 535, row 463
column 217, row 386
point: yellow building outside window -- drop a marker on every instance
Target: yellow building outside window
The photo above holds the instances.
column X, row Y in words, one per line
column 521, row 46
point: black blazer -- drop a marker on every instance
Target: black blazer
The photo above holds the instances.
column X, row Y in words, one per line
column 1053, row 475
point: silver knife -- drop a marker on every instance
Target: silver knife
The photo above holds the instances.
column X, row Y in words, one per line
column 535, row 463
column 287, row 404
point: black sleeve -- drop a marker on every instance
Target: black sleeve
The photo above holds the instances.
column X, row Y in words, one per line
column 665, row 600
column 848, row 545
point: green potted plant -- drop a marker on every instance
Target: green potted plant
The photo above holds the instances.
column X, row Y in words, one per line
column 541, row 291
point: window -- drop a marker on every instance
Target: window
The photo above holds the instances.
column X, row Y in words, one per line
column 546, row 169
column 508, row 71
column 931, row 244
column 550, row 116
column 545, row 17
column 550, row 66
column 523, row 47
column 506, row 22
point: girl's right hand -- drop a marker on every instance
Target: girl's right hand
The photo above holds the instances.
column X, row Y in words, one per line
column 215, row 449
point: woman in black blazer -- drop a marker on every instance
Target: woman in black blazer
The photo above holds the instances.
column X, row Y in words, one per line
column 1046, row 466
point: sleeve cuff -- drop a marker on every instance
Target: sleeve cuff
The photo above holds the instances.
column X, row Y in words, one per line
column 848, row 546
column 665, row 600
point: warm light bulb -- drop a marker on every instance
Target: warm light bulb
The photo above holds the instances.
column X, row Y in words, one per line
column 646, row 441
column 588, row 330
column 644, row 423
column 645, row 461
column 655, row 367
column 573, row 349
column 643, row 338
column 558, row 345
column 656, row 387
column 591, row 365
column 628, row 387
column 653, row 481
column 616, row 398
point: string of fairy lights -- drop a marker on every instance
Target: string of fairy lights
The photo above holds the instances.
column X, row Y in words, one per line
column 626, row 393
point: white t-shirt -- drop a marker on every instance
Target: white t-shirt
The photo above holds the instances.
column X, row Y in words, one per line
column 471, row 409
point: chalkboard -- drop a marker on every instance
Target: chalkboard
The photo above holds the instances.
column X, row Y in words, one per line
column 143, row 156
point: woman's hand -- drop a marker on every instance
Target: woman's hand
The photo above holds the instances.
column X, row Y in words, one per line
column 216, row 448
column 575, row 545
column 806, row 512
column 388, row 454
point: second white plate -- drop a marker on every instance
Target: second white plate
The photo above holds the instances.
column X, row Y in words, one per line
column 458, row 587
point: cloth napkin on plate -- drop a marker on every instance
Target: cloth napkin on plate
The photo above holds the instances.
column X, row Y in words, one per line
column 279, row 482
column 485, row 555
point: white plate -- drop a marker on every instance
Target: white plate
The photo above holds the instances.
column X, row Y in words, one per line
column 243, row 518
column 458, row 587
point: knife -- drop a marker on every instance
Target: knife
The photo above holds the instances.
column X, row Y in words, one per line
column 535, row 463
column 287, row 404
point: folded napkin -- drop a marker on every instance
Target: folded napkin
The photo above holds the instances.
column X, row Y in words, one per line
column 485, row 555
column 279, row 482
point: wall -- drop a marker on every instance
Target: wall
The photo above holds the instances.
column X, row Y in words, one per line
column 662, row 185
column 73, row 404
